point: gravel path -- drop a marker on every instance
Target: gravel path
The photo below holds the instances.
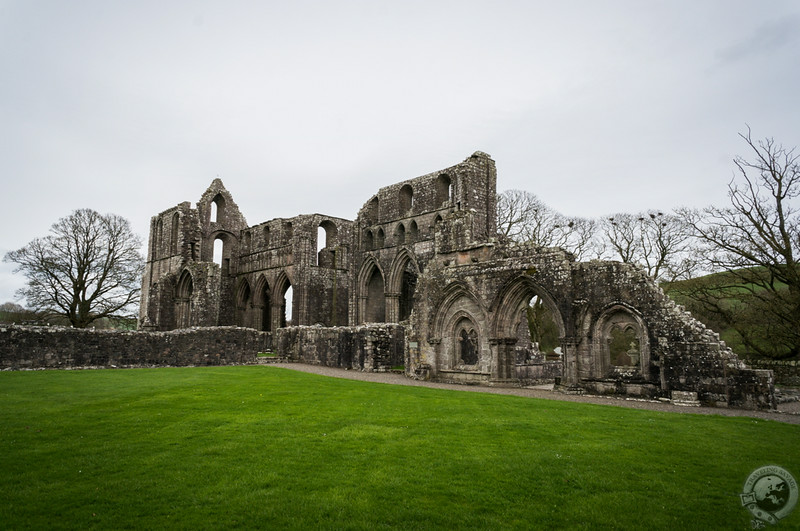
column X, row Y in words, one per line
column 787, row 412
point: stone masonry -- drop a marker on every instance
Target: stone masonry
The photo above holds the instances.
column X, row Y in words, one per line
column 424, row 254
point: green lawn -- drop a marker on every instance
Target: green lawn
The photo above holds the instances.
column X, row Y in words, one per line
column 263, row 447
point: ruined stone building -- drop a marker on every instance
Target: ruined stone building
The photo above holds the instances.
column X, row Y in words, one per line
column 424, row 253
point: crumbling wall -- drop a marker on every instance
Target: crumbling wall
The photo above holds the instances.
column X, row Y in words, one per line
column 424, row 252
column 23, row 347
column 375, row 347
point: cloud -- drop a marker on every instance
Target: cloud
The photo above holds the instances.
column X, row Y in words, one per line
column 768, row 38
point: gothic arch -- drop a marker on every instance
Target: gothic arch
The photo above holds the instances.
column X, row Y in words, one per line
column 405, row 199
column 627, row 321
column 456, row 307
column 513, row 299
column 371, row 292
column 400, row 234
column 244, row 299
column 262, row 304
column 183, row 300
column 401, row 285
column 217, row 209
column 283, row 283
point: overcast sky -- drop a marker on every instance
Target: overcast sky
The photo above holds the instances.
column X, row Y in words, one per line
column 311, row 106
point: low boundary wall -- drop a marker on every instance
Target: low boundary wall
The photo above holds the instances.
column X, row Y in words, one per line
column 378, row 347
column 43, row 347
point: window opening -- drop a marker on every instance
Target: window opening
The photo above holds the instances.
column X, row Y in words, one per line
column 444, row 190
column 286, row 306
column 624, row 347
column 376, row 304
column 542, row 338
column 407, row 290
column 219, row 249
column 406, row 199
column 400, row 234
column 175, row 225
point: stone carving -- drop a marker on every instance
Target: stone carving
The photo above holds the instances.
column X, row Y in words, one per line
column 424, row 253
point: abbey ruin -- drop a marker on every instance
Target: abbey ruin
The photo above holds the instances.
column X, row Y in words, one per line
column 420, row 281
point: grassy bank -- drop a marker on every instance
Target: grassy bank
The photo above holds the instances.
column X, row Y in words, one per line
column 262, row 447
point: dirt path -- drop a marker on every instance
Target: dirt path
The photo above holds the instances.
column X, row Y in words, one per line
column 788, row 412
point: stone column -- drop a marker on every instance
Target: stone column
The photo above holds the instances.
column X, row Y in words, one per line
column 502, row 349
column 392, row 307
column 361, row 318
column 257, row 312
column 570, row 357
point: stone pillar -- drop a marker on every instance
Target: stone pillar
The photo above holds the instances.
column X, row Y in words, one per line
column 392, row 307
column 257, row 311
column 502, row 349
column 361, row 318
column 570, row 357
column 277, row 308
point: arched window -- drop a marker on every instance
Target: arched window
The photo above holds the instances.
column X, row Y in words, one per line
column 623, row 348
column 288, row 232
column 176, row 244
column 327, row 234
column 400, row 235
column 286, row 306
column 247, row 240
column 542, row 328
column 262, row 303
column 466, row 341
column 376, row 303
column 217, row 209
column 219, row 250
column 373, row 211
column 159, row 236
column 369, row 241
column 406, row 199
column 444, row 190
column 379, row 239
column 243, row 304
column 407, row 289
column 266, row 236
column 413, row 232
column 621, row 342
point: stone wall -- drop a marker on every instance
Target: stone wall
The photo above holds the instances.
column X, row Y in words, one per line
column 375, row 347
column 786, row 372
column 23, row 347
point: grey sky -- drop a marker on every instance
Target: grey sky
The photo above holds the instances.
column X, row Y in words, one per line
column 302, row 106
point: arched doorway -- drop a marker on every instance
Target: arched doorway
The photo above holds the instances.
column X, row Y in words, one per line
column 183, row 301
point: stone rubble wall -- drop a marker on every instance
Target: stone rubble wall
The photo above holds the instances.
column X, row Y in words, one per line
column 23, row 347
column 787, row 372
column 374, row 347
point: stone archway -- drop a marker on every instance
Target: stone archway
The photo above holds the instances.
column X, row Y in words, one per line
column 401, row 286
column 243, row 303
column 183, row 300
column 371, row 293
column 461, row 347
column 620, row 344
column 262, row 305
column 511, row 317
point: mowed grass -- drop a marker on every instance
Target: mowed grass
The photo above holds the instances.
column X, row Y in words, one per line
column 263, row 447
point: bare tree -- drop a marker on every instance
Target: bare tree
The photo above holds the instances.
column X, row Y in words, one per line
column 88, row 267
column 755, row 242
column 523, row 217
column 660, row 243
